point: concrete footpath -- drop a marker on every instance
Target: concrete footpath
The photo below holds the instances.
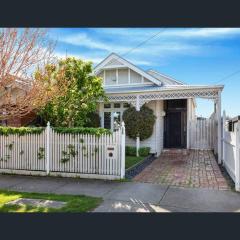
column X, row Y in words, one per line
column 130, row 196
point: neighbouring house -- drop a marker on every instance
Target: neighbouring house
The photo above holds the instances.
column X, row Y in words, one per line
column 18, row 88
column 172, row 101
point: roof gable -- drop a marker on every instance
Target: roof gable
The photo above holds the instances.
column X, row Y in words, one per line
column 166, row 80
column 115, row 61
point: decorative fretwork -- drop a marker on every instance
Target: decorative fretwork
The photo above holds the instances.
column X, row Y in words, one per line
column 142, row 98
column 205, row 93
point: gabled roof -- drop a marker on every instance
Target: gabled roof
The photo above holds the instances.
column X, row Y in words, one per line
column 122, row 61
column 166, row 80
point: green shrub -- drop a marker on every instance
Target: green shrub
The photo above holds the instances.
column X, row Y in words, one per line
column 20, row 131
column 143, row 151
column 81, row 130
column 139, row 123
column 92, row 120
column 130, row 151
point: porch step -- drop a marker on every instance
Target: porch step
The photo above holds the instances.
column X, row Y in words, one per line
column 173, row 151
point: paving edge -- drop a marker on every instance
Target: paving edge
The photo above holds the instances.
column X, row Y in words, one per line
column 137, row 168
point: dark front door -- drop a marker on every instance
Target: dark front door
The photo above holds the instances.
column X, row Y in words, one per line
column 175, row 124
column 173, row 130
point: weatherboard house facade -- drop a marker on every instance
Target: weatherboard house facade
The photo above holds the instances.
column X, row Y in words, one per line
column 172, row 101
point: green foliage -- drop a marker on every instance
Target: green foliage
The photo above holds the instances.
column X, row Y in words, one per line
column 10, row 146
column 68, row 154
column 132, row 160
column 20, row 131
column 139, row 123
column 41, row 153
column 143, row 151
column 74, row 203
column 83, row 91
column 66, row 157
column 130, row 151
column 81, row 130
column 92, row 120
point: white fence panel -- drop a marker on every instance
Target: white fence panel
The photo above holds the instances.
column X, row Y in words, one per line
column 25, row 152
column 229, row 155
column 202, row 133
column 231, row 149
column 64, row 154
column 85, row 153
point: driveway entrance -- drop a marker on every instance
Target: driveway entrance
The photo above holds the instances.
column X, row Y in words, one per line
column 194, row 168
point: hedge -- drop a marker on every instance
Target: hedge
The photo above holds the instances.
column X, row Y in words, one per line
column 82, row 130
column 143, row 151
column 37, row 130
column 20, row 131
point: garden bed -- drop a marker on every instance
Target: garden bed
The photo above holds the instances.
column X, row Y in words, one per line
column 135, row 169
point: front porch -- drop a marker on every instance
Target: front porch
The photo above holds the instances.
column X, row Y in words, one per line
column 172, row 125
column 194, row 168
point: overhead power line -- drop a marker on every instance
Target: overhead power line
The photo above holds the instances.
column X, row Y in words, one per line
column 228, row 76
column 142, row 43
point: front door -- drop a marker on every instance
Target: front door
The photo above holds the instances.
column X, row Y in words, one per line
column 173, row 130
column 175, row 125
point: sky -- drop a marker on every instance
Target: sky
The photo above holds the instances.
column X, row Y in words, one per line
column 200, row 56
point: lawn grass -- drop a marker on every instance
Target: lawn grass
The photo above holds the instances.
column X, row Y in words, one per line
column 74, row 204
column 132, row 160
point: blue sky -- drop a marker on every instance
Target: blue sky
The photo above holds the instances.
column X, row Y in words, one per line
column 192, row 55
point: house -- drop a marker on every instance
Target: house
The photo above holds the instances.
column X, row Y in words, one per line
column 172, row 101
column 18, row 88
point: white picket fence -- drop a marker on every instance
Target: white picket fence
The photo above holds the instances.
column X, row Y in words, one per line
column 64, row 154
column 231, row 149
column 202, row 134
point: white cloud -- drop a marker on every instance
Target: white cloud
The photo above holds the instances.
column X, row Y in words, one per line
column 169, row 32
column 82, row 39
column 172, row 42
column 203, row 32
column 81, row 56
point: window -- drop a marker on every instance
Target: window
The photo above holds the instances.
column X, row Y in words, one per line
column 107, row 120
column 126, row 105
column 107, row 105
column 117, row 105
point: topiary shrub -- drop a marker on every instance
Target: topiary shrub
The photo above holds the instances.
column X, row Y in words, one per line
column 92, row 120
column 139, row 123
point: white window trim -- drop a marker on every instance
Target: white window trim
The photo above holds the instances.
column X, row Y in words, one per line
column 112, row 110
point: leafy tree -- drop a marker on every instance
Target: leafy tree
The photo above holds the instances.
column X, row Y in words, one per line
column 21, row 52
column 84, row 89
column 92, row 120
column 139, row 123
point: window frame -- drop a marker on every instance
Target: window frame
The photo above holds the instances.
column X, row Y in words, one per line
column 112, row 109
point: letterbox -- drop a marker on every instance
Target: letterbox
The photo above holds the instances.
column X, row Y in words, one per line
column 110, row 151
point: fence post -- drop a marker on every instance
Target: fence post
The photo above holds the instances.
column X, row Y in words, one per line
column 237, row 158
column 122, row 150
column 48, row 129
column 223, row 136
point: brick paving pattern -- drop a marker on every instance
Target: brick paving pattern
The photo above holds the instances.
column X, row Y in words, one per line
column 197, row 168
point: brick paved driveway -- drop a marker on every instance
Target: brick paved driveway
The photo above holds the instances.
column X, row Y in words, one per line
column 197, row 168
